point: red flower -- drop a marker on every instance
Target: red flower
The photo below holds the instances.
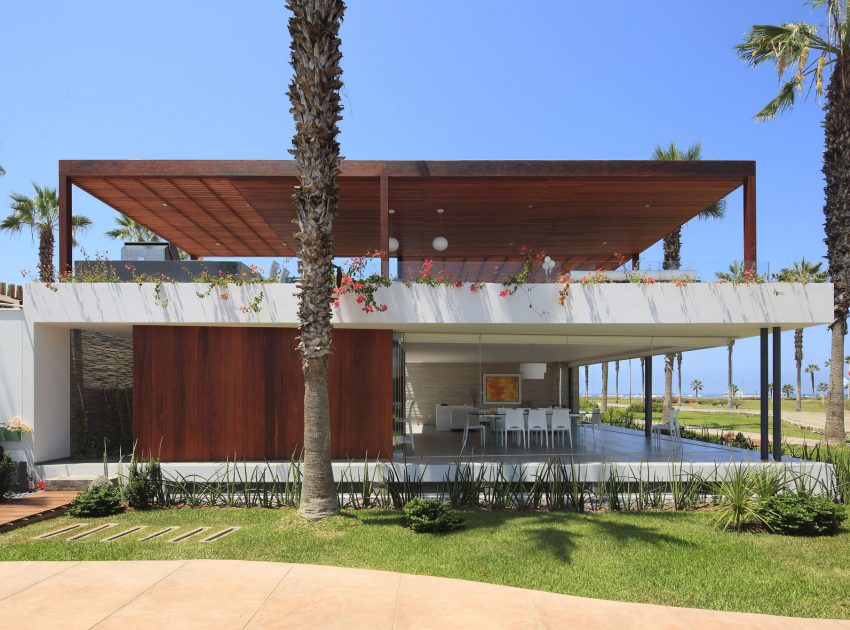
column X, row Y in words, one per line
column 335, row 303
column 368, row 308
column 358, row 285
column 458, row 284
column 360, row 299
column 504, row 293
column 382, row 308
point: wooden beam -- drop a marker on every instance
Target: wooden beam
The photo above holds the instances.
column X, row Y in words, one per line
column 651, row 169
column 66, row 237
column 750, row 257
column 385, row 225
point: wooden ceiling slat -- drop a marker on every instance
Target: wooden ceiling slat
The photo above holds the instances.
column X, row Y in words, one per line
column 592, row 208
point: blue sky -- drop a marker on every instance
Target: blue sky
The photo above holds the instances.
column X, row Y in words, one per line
column 423, row 80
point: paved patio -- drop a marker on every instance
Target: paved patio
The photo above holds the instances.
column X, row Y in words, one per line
column 236, row 594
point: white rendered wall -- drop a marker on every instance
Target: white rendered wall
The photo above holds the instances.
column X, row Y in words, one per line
column 11, row 356
column 47, row 387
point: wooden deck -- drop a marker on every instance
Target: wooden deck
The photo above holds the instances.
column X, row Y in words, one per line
column 34, row 507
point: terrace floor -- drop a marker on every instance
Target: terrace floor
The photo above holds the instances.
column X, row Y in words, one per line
column 606, row 444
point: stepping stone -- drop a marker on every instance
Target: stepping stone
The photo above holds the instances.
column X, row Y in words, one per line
column 219, row 535
column 92, row 531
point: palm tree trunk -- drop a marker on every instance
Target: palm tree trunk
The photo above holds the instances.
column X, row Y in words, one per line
column 730, row 345
column 616, row 381
column 314, row 95
column 679, row 374
column 667, row 403
column 673, row 249
column 603, row 407
column 798, row 359
column 812, row 374
column 836, row 211
column 45, row 255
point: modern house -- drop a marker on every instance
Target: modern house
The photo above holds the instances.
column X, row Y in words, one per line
column 214, row 370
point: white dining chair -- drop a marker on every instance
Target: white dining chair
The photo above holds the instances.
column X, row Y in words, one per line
column 670, row 427
column 595, row 422
column 467, row 427
column 514, row 423
column 408, row 424
column 537, row 425
column 562, row 424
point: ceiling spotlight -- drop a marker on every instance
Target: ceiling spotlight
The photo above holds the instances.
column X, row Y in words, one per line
column 218, row 244
column 440, row 243
column 531, row 205
column 393, row 244
column 391, row 211
column 646, row 205
column 440, row 211
column 604, row 242
column 165, row 204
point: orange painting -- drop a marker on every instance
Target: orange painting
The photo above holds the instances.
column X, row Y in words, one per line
column 502, row 388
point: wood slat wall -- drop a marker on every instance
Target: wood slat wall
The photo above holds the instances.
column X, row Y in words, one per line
column 208, row 393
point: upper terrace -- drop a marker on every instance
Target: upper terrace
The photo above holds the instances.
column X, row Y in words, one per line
column 583, row 214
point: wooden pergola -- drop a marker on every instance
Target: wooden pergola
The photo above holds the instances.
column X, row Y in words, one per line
column 577, row 211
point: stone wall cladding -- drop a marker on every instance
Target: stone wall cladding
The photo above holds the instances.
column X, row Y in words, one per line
column 101, row 392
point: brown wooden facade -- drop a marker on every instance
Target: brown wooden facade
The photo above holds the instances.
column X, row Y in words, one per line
column 205, row 393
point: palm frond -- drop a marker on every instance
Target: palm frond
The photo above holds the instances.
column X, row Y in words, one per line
column 783, row 102
column 717, row 210
column 783, row 45
column 131, row 230
column 2, row 170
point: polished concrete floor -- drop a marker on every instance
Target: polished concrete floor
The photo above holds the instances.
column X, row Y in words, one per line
column 605, row 444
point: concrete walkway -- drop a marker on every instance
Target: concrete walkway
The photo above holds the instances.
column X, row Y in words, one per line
column 236, row 594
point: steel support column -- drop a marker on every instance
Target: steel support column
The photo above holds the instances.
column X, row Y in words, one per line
column 764, row 424
column 647, row 398
column 777, row 394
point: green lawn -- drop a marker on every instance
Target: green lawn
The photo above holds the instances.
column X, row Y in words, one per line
column 739, row 422
column 665, row 557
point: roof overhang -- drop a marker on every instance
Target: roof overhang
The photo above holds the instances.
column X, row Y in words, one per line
column 578, row 211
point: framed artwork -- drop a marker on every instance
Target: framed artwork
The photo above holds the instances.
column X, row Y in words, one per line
column 505, row 389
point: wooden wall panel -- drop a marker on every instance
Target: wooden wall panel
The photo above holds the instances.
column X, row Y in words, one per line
column 206, row 393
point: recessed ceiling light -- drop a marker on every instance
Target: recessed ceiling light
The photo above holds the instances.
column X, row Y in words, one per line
column 440, row 211
column 531, row 205
column 646, row 205
column 604, row 242
column 391, row 211
column 218, row 244
column 164, row 204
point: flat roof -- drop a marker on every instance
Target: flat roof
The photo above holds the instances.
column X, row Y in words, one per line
column 578, row 211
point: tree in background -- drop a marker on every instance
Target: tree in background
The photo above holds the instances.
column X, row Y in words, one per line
column 672, row 244
column 788, row 390
column 822, row 389
column 696, row 386
column 616, row 381
column 603, row 406
column 314, row 96
column 129, row 230
column 40, row 213
column 811, row 369
column 587, row 381
column 803, row 272
column 808, row 55
column 729, row 345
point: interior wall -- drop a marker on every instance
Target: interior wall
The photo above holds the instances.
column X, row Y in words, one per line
column 431, row 384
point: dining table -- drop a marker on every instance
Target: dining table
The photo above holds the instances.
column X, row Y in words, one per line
column 495, row 421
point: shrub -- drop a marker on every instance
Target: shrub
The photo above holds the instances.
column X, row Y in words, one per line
column 144, row 485
column 7, row 472
column 431, row 516
column 802, row 514
column 97, row 501
column 640, row 408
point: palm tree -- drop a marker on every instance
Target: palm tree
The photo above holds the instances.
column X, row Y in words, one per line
column 788, row 390
column 789, row 47
column 40, row 213
column 679, row 374
column 2, row 170
column 811, row 369
column 587, row 381
column 696, row 386
column 738, row 272
column 643, row 377
column 804, row 272
column 314, row 96
column 672, row 243
column 822, row 389
column 616, row 381
column 603, row 407
column 729, row 345
column 130, row 230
